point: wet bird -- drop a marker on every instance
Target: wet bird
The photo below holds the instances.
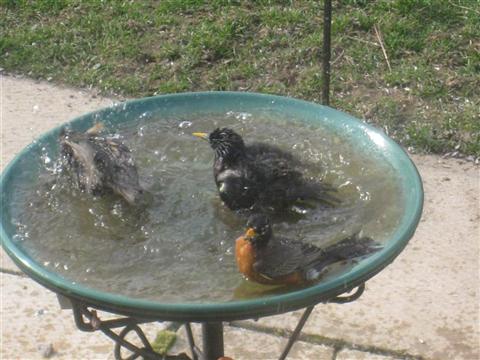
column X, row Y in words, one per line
column 266, row 259
column 100, row 163
column 259, row 175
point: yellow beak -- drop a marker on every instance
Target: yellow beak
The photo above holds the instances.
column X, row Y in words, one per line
column 250, row 233
column 201, row 135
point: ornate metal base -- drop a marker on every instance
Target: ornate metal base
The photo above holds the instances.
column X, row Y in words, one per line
column 87, row 319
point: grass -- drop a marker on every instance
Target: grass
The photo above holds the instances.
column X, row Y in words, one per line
column 429, row 99
column 164, row 341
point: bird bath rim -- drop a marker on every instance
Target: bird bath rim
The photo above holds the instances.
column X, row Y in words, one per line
column 237, row 309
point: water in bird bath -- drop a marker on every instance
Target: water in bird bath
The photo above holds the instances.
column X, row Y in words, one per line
column 180, row 246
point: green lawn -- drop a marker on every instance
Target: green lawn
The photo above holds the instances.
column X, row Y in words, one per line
column 428, row 99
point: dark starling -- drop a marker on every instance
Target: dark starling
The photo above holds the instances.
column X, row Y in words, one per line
column 100, row 163
column 266, row 259
column 259, row 175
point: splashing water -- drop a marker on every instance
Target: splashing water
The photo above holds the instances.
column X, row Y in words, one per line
column 181, row 246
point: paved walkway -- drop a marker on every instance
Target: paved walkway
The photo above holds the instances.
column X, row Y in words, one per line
column 423, row 306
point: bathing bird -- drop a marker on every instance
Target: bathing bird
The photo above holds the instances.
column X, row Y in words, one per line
column 99, row 163
column 267, row 259
column 260, row 175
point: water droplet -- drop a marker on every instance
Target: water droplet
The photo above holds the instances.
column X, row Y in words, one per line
column 145, row 115
column 185, row 124
column 117, row 210
column 299, row 210
column 243, row 116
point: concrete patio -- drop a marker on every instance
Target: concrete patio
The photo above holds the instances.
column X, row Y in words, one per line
column 425, row 305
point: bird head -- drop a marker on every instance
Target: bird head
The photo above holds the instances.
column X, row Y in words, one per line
column 224, row 141
column 259, row 230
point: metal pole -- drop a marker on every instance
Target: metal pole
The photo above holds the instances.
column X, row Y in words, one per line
column 212, row 336
column 296, row 332
column 327, row 24
column 193, row 348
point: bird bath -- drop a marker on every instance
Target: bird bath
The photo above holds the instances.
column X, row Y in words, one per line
column 370, row 142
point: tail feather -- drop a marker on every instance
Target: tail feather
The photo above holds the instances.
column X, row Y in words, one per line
column 349, row 248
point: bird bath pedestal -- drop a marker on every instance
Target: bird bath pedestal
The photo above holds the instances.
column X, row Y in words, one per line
column 86, row 319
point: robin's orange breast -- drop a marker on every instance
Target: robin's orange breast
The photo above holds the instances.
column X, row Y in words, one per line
column 246, row 257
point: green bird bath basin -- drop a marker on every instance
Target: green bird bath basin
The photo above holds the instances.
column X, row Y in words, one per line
column 365, row 138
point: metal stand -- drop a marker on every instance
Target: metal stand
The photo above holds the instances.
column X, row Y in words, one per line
column 296, row 332
column 87, row 319
column 327, row 24
column 81, row 312
column 212, row 338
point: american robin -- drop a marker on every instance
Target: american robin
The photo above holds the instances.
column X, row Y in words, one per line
column 267, row 259
column 260, row 175
column 100, row 163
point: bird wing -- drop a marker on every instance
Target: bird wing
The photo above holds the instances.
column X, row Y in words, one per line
column 349, row 248
column 282, row 257
column 273, row 163
column 112, row 154
column 283, row 174
column 81, row 155
column 274, row 171
column 115, row 161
